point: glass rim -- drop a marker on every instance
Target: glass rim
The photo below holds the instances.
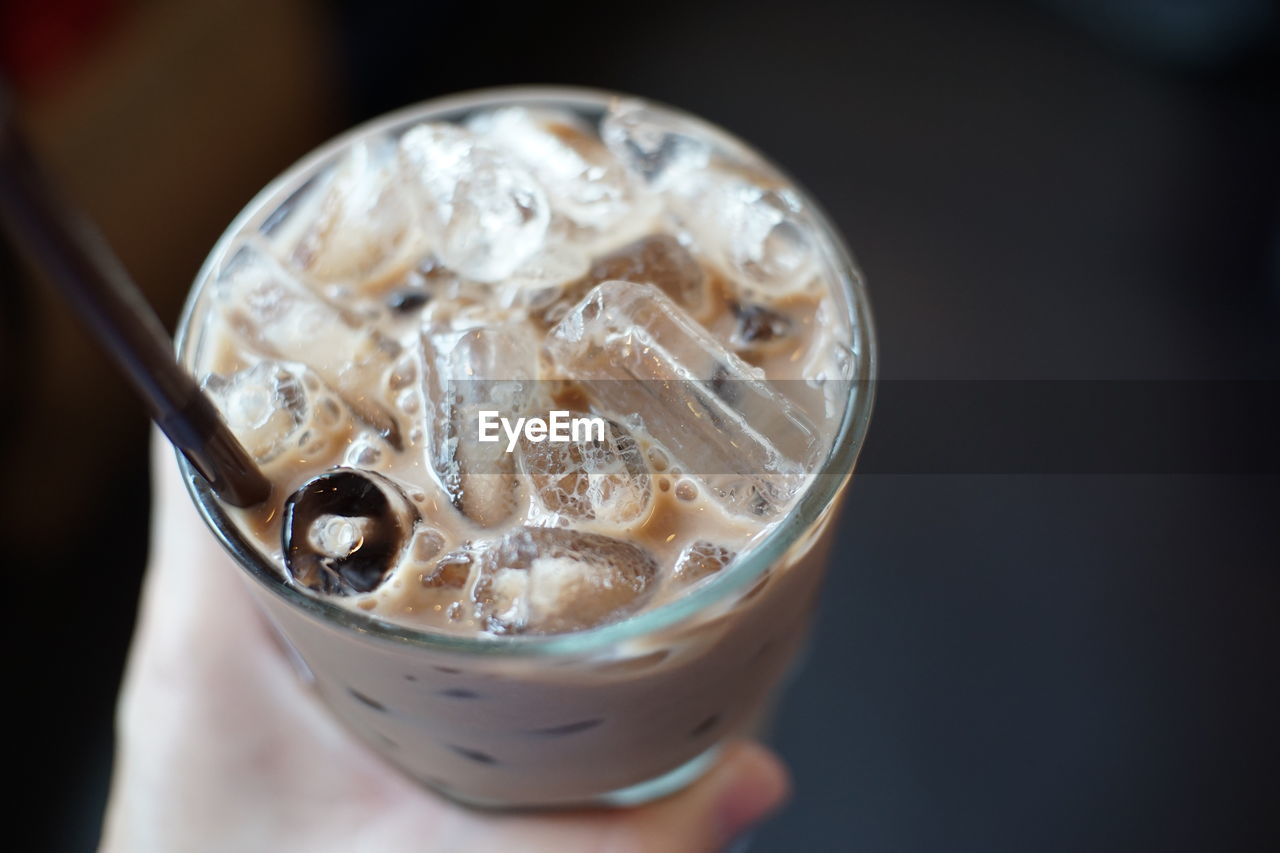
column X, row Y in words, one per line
column 828, row 479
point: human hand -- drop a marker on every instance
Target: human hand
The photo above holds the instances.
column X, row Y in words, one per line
column 221, row 747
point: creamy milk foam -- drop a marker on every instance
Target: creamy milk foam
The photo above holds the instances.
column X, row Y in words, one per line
column 497, row 624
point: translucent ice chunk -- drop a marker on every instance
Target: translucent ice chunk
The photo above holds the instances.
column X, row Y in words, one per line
column 365, row 232
column 465, row 372
column 344, row 531
column 607, row 481
column 543, row 277
column 761, row 237
column 657, row 145
column 638, row 354
column 278, row 316
column 450, row 572
column 658, row 259
column 699, row 560
column 582, row 179
column 544, row 580
column 488, row 212
column 279, row 408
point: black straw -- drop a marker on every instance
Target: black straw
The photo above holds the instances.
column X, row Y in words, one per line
column 78, row 261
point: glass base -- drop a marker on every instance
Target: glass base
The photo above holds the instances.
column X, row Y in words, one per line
column 666, row 784
column 758, row 726
column 633, row 795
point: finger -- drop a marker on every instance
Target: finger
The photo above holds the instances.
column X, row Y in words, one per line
column 194, row 593
column 199, row 640
column 747, row 785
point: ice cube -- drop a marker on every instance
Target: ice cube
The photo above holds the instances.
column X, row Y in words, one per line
column 279, row 410
column 584, row 182
column 762, row 237
column 365, row 232
column 589, row 479
column 639, row 355
column 345, row 530
column 657, row 145
column 277, row 316
column 544, row 580
column 543, row 277
column 451, row 572
column 464, row 372
column 699, row 560
column 658, row 259
column 487, row 211
column 422, row 558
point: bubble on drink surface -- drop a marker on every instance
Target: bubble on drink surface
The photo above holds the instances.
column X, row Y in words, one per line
column 686, row 491
column 489, row 368
column 344, row 531
column 543, row 580
column 582, row 179
column 699, row 560
column 659, row 146
column 427, row 543
column 409, row 402
column 279, row 409
column 487, row 212
column 277, row 316
column 590, row 478
column 365, row 452
column 404, row 373
column 365, row 231
column 637, row 353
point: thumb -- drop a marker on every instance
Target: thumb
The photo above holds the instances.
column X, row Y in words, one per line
column 746, row 786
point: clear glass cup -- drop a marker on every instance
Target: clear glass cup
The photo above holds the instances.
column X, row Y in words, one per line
column 610, row 716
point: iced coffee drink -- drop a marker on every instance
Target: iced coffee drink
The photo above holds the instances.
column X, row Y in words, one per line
column 557, row 392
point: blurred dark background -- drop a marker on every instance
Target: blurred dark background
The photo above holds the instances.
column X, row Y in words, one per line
column 1015, row 657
